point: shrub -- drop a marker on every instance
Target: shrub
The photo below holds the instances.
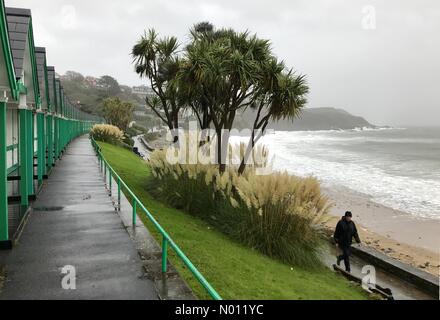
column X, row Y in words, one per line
column 107, row 133
column 279, row 214
column 131, row 132
column 139, row 128
column 151, row 136
column 128, row 140
column 118, row 112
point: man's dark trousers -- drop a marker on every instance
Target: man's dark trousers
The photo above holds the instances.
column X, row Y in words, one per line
column 346, row 252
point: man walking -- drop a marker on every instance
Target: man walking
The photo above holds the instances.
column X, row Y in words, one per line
column 344, row 233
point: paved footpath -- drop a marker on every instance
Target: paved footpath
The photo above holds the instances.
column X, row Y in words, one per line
column 74, row 224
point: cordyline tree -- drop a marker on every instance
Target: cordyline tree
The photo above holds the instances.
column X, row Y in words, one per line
column 282, row 96
column 225, row 71
column 118, row 113
column 157, row 60
column 222, row 72
column 191, row 93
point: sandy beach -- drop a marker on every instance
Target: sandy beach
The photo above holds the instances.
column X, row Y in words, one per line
column 395, row 233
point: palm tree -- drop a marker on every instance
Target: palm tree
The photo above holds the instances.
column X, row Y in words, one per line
column 158, row 61
column 282, row 97
column 222, row 73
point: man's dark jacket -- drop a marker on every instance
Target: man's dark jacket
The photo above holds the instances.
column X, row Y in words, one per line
column 344, row 233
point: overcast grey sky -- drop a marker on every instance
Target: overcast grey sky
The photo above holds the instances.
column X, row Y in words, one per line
column 389, row 75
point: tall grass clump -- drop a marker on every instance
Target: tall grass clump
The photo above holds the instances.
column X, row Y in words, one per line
column 107, row 133
column 278, row 214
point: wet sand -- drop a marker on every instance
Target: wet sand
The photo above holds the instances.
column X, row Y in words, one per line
column 398, row 234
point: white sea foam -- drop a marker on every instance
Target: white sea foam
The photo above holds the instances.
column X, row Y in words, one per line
column 389, row 181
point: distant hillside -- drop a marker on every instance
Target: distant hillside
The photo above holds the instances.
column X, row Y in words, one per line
column 89, row 92
column 311, row 119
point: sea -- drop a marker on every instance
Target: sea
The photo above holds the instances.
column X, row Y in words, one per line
column 396, row 167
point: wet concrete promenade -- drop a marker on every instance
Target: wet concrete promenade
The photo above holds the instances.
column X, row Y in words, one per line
column 74, row 228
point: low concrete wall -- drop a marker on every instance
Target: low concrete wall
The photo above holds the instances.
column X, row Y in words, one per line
column 421, row 279
column 146, row 145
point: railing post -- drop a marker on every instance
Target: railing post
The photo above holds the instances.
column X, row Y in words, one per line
column 164, row 254
column 24, row 157
column 30, row 146
column 105, row 172
column 4, row 236
column 134, row 213
column 119, row 194
column 110, row 181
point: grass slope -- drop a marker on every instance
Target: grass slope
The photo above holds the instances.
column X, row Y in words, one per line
column 235, row 271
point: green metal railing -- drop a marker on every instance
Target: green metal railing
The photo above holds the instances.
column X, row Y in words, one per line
column 167, row 241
